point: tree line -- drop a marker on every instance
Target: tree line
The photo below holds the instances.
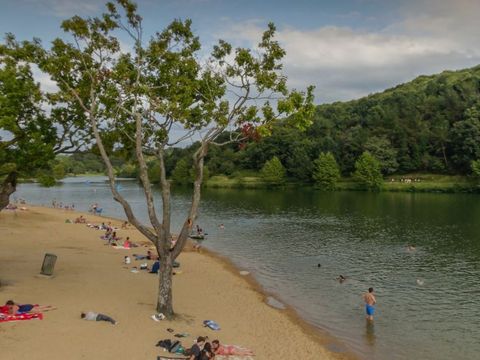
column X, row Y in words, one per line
column 431, row 124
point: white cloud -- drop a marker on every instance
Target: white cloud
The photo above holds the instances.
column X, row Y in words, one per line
column 345, row 63
column 45, row 81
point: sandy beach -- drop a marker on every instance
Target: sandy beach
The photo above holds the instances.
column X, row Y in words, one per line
column 92, row 276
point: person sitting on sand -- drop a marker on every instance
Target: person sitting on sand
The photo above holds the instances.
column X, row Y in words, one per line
column 113, row 238
column 219, row 349
column 125, row 225
column 90, row 315
column 207, row 352
column 196, row 349
column 11, row 308
column 127, row 244
column 80, row 220
column 155, row 267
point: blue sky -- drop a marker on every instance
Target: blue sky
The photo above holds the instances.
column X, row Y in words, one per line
column 347, row 48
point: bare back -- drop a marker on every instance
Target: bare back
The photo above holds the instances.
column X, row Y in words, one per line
column 369, row 298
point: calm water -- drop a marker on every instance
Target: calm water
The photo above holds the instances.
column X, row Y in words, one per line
column 281, row 236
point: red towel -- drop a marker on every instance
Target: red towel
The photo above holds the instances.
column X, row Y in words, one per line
column 5, row 318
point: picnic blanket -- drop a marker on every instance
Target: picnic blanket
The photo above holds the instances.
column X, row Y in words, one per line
column 18, row 317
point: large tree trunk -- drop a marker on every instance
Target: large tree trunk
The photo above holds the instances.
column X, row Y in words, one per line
column 164, row 301
column 9, row 186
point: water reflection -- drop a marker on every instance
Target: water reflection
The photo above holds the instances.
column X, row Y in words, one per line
column 370, row 333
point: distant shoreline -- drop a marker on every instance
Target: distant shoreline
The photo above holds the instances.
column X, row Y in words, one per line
column 427, row 183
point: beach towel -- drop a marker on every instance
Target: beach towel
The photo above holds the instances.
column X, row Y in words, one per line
column 121, row 248
column 18, row 317
column 211, row 324
column 234, row 357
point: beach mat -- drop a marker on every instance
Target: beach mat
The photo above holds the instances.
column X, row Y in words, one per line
column 19, row 317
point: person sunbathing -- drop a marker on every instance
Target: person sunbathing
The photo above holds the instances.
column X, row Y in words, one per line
column 12, row 308
column 219, row 349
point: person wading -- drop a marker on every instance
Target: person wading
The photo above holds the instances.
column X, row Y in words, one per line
column 370, row 302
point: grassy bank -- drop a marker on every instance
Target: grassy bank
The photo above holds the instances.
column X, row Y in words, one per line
column 396, row 183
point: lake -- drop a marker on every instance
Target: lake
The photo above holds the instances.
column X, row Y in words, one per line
column 428, row 299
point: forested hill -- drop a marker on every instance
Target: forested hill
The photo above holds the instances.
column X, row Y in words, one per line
column 431, row 124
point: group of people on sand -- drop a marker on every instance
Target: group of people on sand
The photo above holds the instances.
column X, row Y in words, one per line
column 203, row 350
column 61, row 205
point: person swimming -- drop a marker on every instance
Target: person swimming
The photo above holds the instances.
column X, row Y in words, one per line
column 341, row 279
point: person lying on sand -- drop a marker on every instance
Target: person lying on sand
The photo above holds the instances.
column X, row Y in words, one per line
column 219, row 349
column 11, row 308
column 149, row 256
column 90, row 315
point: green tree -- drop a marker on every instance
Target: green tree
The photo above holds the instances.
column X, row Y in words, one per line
column 327, row 172
column 368, row 173
column 135, row 100
column 182, row 172
column 273, row 172
column 381, row 148
column 58, row 171
column 27, row 137
column 465, row 139
column 476, row 168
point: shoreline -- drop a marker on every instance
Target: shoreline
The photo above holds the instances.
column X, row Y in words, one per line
column 319, row 341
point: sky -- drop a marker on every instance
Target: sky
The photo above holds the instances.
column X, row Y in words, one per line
column 346, row 48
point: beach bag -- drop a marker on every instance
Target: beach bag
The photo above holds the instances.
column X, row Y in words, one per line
column 174, row 347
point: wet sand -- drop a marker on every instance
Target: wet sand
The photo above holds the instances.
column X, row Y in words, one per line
column 92, row 276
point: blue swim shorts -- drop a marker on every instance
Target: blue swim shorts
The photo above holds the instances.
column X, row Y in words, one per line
column 25, row 308
column 370, row 309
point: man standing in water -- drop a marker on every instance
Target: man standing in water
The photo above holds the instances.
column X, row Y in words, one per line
column 370, row 302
